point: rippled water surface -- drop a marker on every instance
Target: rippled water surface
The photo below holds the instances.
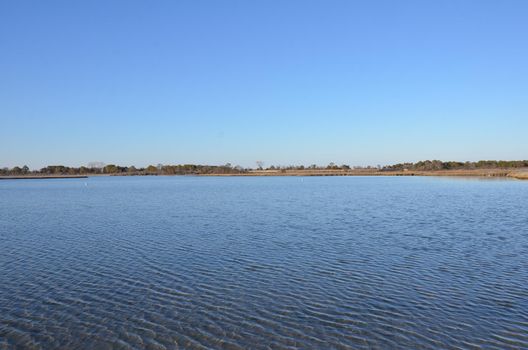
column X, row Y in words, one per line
column 263, row 263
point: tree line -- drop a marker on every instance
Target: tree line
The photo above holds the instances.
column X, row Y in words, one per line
column 195, row 169
column 112, row 169
column 430, row 165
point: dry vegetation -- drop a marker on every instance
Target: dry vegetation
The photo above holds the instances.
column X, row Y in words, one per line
column 375, row 172
column 522, row 175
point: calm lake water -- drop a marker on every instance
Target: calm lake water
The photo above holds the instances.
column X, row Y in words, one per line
column 263, row 263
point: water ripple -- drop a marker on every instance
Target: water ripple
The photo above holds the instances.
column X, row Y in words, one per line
column 263, row 263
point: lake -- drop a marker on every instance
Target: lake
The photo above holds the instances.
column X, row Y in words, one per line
column 263, row 263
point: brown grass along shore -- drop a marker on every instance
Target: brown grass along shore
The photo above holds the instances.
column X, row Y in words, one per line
column 519, row 174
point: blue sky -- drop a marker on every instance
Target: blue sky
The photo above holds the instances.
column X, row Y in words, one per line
column 285, row 82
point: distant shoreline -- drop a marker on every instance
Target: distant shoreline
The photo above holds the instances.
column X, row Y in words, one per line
column 35, row 177
column 500, row 173
column 497, row 173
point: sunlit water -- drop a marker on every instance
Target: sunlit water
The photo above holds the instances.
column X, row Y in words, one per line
column 263, row 263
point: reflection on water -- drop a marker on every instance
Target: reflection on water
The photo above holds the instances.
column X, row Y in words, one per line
column 263, row 263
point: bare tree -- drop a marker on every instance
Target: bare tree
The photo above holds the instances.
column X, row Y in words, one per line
column 96, row 165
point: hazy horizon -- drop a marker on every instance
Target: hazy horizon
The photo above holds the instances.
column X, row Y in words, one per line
column 302, row 82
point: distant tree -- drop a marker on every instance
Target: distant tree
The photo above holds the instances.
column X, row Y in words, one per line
column 151, row 169
column 260, row 164
column 16, row 170
column 110, row 169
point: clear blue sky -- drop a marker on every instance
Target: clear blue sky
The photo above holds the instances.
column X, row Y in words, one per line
column 285, row 82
